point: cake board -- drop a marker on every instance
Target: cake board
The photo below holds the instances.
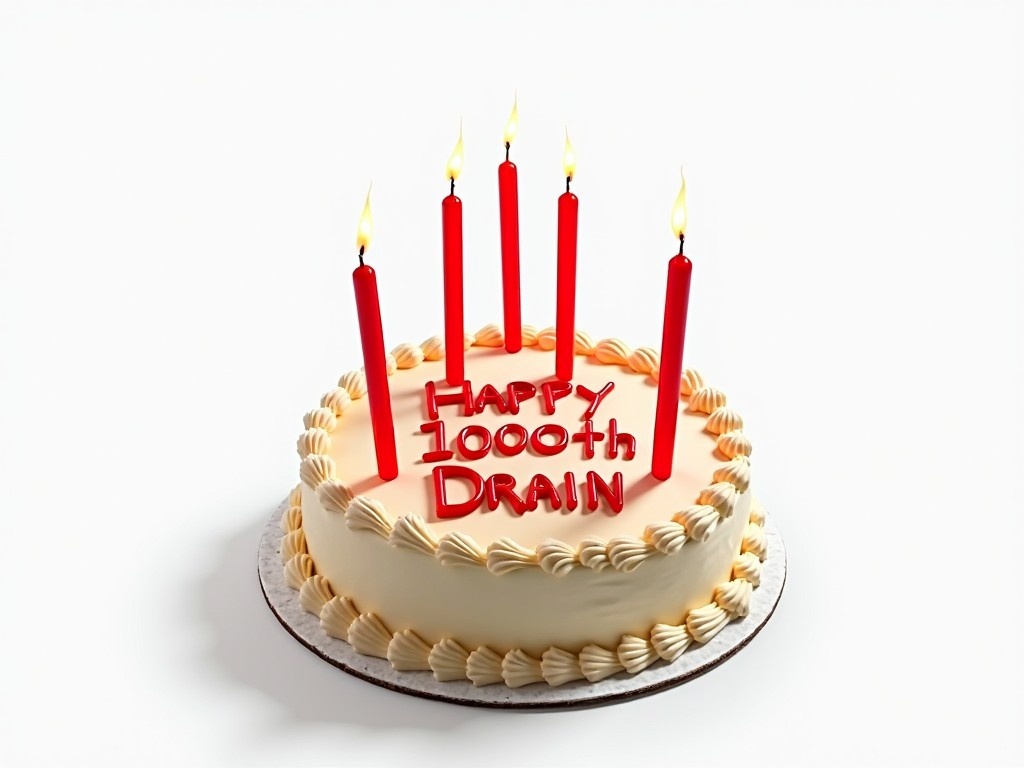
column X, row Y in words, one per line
column 695, row 661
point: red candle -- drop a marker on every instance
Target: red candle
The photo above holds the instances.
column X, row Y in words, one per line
column 508, row 202
column 364, row 280
column 673, row 336
column 565, row 310
column 451, row 229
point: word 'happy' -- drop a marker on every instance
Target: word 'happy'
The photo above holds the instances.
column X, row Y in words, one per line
column 510, row 439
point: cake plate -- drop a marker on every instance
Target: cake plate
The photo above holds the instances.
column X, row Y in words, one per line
column 695, row 661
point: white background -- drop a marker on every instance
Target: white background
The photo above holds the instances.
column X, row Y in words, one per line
column 179, row 189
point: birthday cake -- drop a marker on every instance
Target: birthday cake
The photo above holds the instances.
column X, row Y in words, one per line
column 524, row 539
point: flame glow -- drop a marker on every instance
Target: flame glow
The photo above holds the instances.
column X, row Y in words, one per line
column 679, row 215
column 512, row 126
column 568, row 158
column 365, row 231
column 456, row 159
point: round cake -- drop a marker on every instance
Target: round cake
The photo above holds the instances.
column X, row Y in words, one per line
column 524, row 539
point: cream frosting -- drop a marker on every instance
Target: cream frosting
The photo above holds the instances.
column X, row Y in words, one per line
column 508, row 558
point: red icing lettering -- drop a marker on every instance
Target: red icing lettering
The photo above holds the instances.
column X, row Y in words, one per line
column 542, row 488
column 587, row 436
column 597, row 487
column 615, row 438
column 479, row 432
column 502, row 486
column 490, row 396
column 517, row 392
column 518, row 432
column 594, row 398
column 572, row 500
column 560, row 433
column 440, row 453
column 447, row 509
column 464, row 396
column 552, row 391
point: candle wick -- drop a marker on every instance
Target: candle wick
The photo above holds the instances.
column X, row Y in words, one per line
column 567, row 180
column 362, row 250
column 508, row 145
column 453, row 185
column 681, row 238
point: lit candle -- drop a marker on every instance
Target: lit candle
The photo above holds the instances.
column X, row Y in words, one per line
column 508, row 202
column 364, row 280
column 565, row 310
column 677, row 299
column 451, row 228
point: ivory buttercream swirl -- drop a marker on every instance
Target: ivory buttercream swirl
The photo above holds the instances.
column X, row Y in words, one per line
column 756, row 512
column 530, row 334
column 556, row 557
column 412, row 532
column 737, row 472
column 547, row 339
column 490, row 335
column 337, row 616
column 667, row 537
column 320, row 418
column 636, row 653
column 734, row 596
column 366, row 514
column 505, row 556
column 559, row 667
column 368, row 635
column 593, row 553
column 433, row 348
column 721, row 496
column 314, row 594
column 315, row 469
column 754, row 541
column 690, row 382
column 448, row 660
column 733, row 444
column 293, row 544
column 407, row 356
column 583, row 344
column 408, row 652
column 483, row 667
column 644, row 360
column 291, row 520
column 334, row 496
column 706, row 400
column 297, row 570
column 313, row 440
column 337, row 400
column 612, row 352
column 747, row 566
column 519, row 668
column 597, row 663
column 670, row 641
column 354, row 382
column 723, row 420
column 455, row 548
column 707, row 621
column 699, row 520
column 627, row 553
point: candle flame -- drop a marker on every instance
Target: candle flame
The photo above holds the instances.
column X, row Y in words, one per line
column 512, row 126
column 365, row 231
column 679, row 215
column 455, row 161
column 569, row 157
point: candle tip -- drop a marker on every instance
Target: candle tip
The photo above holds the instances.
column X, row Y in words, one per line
column 679, row 213
column 568, row 158
column 456, row 159
column 365, row 230
column 512, row 125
